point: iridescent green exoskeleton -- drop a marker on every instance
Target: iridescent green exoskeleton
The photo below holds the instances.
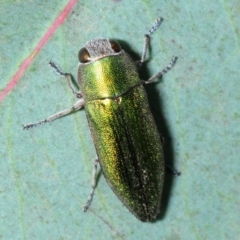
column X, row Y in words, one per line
column 125, row 135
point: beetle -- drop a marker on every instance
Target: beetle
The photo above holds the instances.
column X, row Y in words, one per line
column 126, row 139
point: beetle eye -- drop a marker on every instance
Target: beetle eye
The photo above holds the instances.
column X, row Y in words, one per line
column 115, row 46
column 83, row 55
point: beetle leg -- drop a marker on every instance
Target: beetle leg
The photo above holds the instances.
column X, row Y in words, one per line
column 68, row 76
column 173, row 171
column 159, row 74
column 155, row 26
column 147, row 40
column 94, row 184
column 78, row 105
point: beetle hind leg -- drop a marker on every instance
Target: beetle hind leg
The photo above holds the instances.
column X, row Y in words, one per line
column 94, row 184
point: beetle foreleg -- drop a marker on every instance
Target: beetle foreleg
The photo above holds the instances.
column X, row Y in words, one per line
column 68, row 76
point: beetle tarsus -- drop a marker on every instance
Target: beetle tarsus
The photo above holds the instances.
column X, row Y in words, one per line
column 32, row 125
column 155, row 26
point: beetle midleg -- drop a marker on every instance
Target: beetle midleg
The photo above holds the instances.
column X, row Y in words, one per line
column 78, row 105
column 94, row 184
column 159, row 74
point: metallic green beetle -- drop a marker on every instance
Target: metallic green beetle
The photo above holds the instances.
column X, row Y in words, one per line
column 124, row 132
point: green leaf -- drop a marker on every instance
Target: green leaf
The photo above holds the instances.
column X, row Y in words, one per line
column 45, row 175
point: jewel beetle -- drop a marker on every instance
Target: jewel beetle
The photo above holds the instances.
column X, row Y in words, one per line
column 126, row 139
